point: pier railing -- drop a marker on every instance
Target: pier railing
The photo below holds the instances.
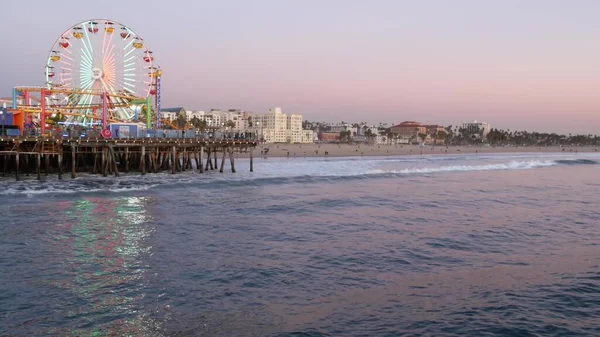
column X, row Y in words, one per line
column 171, row 134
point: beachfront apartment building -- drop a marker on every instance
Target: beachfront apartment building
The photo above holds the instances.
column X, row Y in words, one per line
column 274, row 126
column 309, row 136
column 478, row 128
column 217, row 118
column 344, row 128
column 434, row 129
column 238, row 117
column 271, row 126
column 213, row 118
column 190, row 114
column 171, row 113
column 277, row 127
column 294, row 128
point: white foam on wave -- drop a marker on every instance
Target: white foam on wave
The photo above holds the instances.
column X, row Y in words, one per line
column 513, row 165
column 58, row 190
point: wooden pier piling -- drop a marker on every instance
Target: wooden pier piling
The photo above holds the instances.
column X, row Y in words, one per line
column 251, row 160
column 73, row 161
column 231, row 160
column 17, row 166
column 59, row 164
column 38, row 163
column 200, row 166
column 143, row 160
column 113, row 156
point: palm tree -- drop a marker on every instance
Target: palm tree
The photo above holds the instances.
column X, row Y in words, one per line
column 199, row 124
column 180, row 121
column 441, row 135
column 230, row 124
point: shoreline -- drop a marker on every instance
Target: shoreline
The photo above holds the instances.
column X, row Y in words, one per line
column 349, row 150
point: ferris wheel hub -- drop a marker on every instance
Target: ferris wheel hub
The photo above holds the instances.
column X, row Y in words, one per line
column 97, row 73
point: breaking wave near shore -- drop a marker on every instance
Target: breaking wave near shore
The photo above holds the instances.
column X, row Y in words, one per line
column 276, row 171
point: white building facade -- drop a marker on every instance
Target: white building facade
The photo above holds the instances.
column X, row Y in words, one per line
column 345, row 127
column 277, row 127
column 271, row 126
column 309, row 136
column 480, row 128
column 238, row 117
column 171, row 116
column 294, row 128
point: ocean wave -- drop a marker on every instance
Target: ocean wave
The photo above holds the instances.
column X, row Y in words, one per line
column 514, row 165
column 576, row 162
column 27, row 188
column 329, row 173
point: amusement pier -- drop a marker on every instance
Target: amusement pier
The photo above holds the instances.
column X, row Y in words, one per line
column 98, row 112
column 34, row 156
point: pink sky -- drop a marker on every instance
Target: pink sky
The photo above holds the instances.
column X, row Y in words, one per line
column 517, row 64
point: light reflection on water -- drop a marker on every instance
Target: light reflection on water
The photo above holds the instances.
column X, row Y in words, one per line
column 102, row 242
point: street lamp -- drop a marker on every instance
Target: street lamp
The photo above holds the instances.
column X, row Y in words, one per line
column 2, row 118
column 260, row 138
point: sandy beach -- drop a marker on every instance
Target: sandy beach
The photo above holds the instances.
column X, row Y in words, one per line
column 349, row 150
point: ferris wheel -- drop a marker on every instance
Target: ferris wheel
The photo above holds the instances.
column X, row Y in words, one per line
column 100, row 56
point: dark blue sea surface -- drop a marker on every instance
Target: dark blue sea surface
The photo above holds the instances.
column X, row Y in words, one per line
column 497, row 245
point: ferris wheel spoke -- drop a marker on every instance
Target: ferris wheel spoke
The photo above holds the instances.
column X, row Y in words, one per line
column 87, row 38
column 68, row 51
column 85, row 102
column 104, row 40
column 85, row 53
column 130, row 51
column 110, row 62
column 107, row 55
column 129, row 58
column 86, row 82
column 130, row 41
column 111, row 89
column 110, row 40
column 87, row 85
column 78, row 100
column 85, row 58
column 110, row 58
column 118, row 101
column 67, row 57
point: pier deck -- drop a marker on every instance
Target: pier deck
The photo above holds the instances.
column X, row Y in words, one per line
column 113, row 156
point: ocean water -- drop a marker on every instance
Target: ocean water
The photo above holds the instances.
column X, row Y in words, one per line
column 495, row 245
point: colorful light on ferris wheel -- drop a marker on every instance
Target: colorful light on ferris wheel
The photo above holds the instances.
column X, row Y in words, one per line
column 50, row 71
column 137, row 44
column 124, row 33
column 77, row 32
column 95, row 61
column 148, row 57
column 64, row 42
column 54, row 56
column 93, row 28
column 109, row 27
